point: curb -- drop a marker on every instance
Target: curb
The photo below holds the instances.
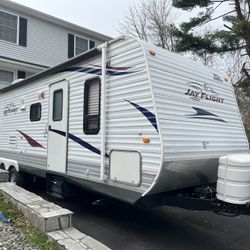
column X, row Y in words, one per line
column 44, row 215
column 73, row 239
column 51, row 219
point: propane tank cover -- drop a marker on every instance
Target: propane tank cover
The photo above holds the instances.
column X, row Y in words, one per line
column 233, row 183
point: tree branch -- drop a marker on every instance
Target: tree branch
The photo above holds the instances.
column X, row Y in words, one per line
column 212, row 19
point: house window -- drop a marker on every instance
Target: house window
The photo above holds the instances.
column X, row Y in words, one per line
column 57, row 105
column 35, row 112
column 21, row 74
column 81, row 45
column 8, row 27
column 78, row 45
column 91, row 123
column 6, row 76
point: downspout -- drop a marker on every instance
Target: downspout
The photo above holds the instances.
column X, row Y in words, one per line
column 103, row 48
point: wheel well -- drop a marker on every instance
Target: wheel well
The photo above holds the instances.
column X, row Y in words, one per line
column 2, row 166
column 11, row 167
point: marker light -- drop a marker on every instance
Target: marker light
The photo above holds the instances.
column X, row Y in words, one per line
column 226, row 77
column 146, row 140
column 152, row 53
column 41, row 94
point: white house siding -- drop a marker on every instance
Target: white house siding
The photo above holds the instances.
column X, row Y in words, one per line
column 185, row 138
column 47, row 43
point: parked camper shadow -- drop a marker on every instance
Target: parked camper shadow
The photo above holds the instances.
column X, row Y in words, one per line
column 121, row 226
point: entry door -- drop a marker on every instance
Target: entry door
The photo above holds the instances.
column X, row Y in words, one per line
column 58, row 127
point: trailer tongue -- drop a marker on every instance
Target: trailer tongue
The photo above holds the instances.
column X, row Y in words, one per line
column 230, row 196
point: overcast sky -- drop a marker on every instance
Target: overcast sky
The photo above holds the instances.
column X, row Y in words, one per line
column 99, row 15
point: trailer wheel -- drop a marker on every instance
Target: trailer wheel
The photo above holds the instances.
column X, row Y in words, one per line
column 16, row 177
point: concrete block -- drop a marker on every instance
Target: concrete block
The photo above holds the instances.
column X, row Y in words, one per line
column 43, row 214
column 52, row 224
column 94, row 244
column 74, row 233
column 57, row 223
column 57, row 212
column 55, row 236
column 41, row 225
column 37, row 202
column 70, row 244
column 22, row 208
column 4, row 176
column 65, row 221
column 65, row 236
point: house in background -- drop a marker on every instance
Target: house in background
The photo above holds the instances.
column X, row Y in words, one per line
column 32, row 41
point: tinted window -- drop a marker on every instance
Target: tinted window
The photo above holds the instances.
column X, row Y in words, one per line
column 35, row 112
column 92, row 106
column 57, row 105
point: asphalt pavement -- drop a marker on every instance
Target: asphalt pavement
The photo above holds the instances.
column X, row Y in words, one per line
column 124, row 227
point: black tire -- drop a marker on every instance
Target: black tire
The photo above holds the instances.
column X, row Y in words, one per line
column 16, row 177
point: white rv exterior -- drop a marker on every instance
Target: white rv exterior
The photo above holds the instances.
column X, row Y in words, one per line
column 163, row 121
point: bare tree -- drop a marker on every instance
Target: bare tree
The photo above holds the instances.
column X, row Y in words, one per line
column 135, row 23
column 151, row 20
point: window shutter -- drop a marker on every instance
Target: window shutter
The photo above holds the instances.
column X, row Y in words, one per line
column 92, row 107
column 93, row 102
column 91, row 44
column 23, row 31
column 21, row 74
column 71, row 46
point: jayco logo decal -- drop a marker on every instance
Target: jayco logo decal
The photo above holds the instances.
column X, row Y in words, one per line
column 198, row 91
column 10, row 108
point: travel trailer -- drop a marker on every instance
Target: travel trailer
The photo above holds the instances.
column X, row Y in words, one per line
column 126, row 119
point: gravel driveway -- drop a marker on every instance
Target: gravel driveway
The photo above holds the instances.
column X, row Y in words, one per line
column 11, row 238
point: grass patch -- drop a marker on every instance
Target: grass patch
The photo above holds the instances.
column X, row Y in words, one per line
column 32, row 235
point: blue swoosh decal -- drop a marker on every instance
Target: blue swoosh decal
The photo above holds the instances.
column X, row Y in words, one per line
column 79, row 141
column 150, row 116
column 84, row 144
column 204, row 114
column 98, row 71
column 62, row 133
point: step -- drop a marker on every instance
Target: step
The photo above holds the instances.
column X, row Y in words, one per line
column 43, row 214
column 72, row 239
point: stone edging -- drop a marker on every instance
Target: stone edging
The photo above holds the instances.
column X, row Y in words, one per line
column 48, row 217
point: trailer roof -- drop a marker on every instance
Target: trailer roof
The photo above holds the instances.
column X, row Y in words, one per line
column 84, row 56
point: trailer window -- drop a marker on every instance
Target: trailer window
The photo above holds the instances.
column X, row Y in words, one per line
column 91, row 123
column 57, row 105
column 35, row 112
